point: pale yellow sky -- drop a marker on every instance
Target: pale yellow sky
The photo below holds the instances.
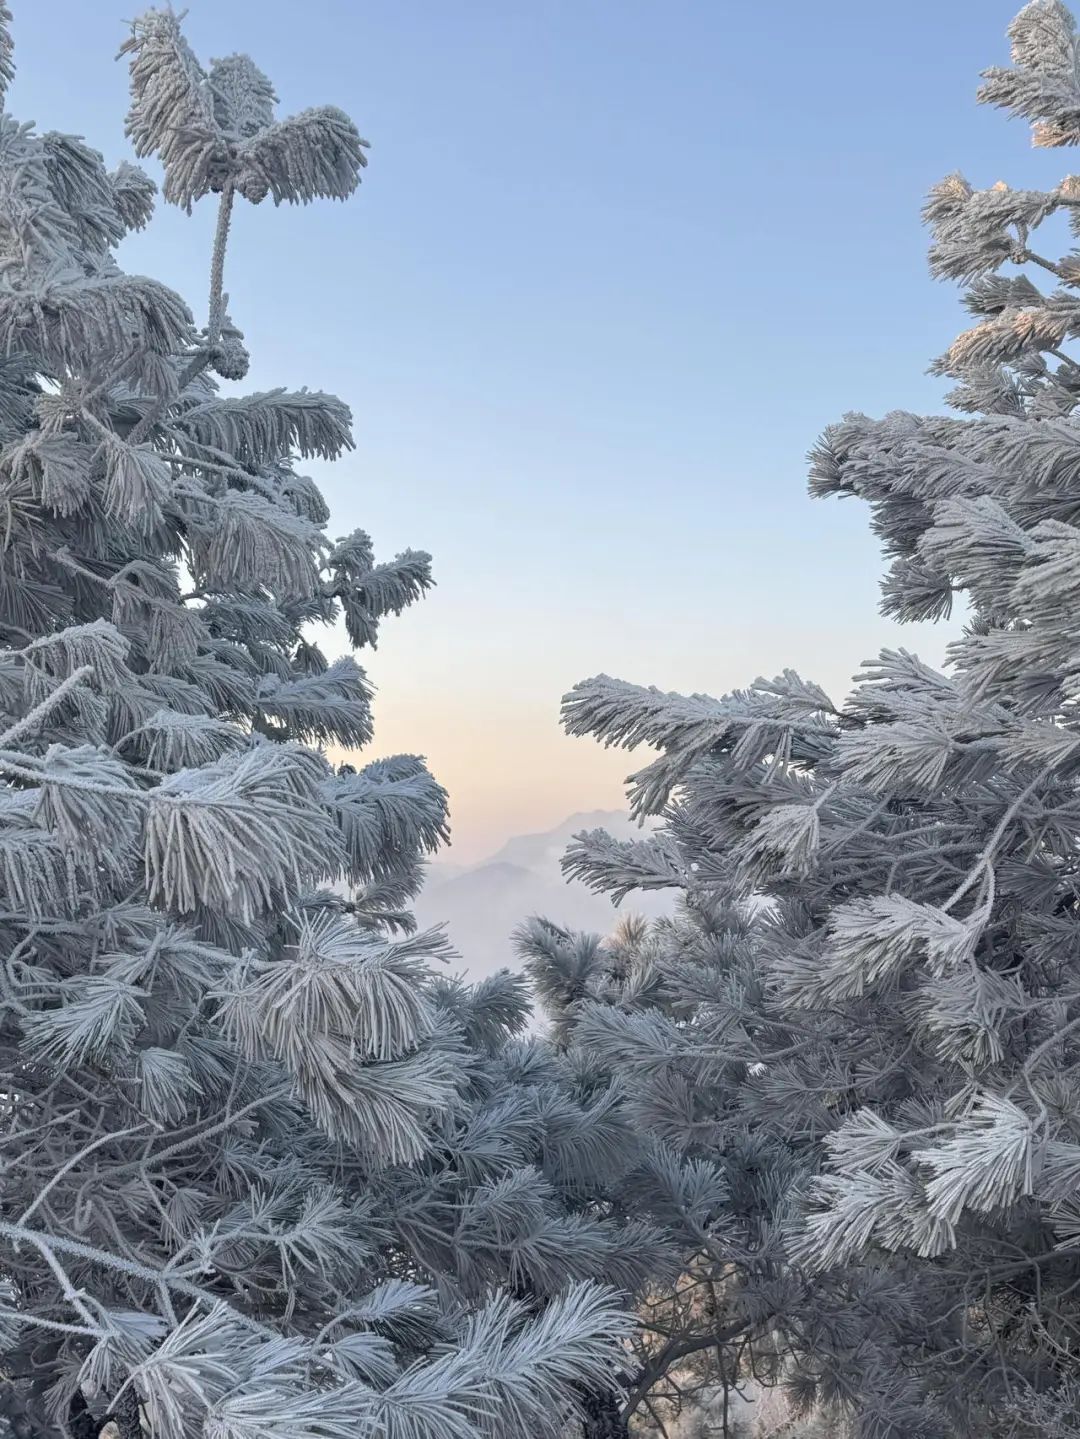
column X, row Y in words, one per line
column 508, row 766
column 489, row 725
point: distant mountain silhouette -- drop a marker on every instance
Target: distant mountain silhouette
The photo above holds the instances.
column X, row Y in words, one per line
column 531, row 850
column 483, row 904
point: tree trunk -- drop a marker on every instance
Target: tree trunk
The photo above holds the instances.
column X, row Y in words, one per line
column 602, row 1417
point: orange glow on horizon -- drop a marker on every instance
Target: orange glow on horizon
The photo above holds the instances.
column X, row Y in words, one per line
column 507, row 765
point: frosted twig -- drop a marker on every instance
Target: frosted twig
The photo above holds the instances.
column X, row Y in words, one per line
column 47, row 705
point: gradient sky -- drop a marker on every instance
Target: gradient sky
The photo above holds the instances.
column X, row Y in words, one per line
column 613, row 267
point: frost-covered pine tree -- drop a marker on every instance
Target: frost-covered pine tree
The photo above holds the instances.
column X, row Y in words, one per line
column 244, row 1157
column 901, row 1019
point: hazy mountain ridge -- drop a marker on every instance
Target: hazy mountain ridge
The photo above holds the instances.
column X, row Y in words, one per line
column 482, row 904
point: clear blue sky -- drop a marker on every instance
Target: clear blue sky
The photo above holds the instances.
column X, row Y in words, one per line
column 614, row 266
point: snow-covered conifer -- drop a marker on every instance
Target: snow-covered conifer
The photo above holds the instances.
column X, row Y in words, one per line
column 885, row 1059
column 255, row 1169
